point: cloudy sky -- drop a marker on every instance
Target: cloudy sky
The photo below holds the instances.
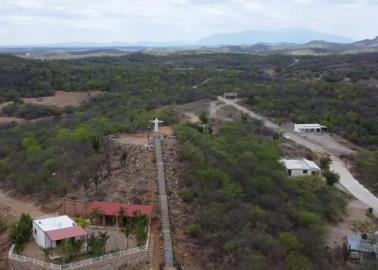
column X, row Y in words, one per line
column 54, row 21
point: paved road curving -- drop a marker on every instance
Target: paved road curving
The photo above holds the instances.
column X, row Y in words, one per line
column 346, row 178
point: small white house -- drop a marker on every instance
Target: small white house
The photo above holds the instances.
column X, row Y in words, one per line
column 309, row 128
column 49, row 231
column 301, row 167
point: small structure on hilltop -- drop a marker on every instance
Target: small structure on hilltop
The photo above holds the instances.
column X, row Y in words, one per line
column 309, row 128
column 48, row 232
column 111, row 211
column 362, row 247
column 300, row 167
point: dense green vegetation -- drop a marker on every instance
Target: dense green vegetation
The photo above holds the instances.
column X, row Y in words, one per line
column 21, row 231
column 250, row 214
column 29, row 111
column 235, row 174
column 367, row 168
column 347, row 109
column 58, row 155
column 339, row 91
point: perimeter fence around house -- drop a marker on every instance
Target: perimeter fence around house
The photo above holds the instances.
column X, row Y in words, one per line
column 129, row 257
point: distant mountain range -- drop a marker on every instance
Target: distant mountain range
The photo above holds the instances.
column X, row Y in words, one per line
column 317, row 47
column 251, row 37
column 295, row 42
column 299, row 36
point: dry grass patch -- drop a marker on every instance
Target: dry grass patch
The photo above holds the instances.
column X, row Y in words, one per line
column 63, row 99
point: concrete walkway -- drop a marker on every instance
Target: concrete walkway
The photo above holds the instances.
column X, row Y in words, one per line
column 346, row 178
column 167, row 239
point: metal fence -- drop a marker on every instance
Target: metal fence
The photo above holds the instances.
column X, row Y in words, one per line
column 77, row 265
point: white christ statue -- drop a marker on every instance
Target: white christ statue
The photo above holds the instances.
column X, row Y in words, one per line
column 156, row 123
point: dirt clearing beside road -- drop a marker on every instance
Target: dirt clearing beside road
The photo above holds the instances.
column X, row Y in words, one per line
column 63, row 99
column 355, row 212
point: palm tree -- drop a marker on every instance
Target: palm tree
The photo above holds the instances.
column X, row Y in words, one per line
column 83, row 222
column 127, row 230
column 121, row 216
column 96, row 214
column 103, row 238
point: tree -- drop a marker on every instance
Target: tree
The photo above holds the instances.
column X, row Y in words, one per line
column 69, row 248
column 194, row 230
column 204, row 118
column 46, row 251
column 325, row 162
column 96, row 214
column 21, row 231
column 244, row 118
column 103, row 237
column 331, row 177
column 140, row 232
column 127, row 230
column 96, row 143
column 83, row 222
column 97, row 244
column 297, row 261
column 121, row 216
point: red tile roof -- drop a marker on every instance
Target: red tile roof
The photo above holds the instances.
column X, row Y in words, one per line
column 112, row 208
column 66, row 233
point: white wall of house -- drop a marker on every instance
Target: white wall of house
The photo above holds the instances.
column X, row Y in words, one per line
column 300, row 172
column 40, row 237
column 309, row 128
column 301, row 167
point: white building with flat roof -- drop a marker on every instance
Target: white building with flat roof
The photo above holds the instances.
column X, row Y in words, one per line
column 300, row 167
column 48, row 231
column 309, row 128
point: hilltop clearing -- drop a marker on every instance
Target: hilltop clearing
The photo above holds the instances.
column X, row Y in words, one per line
column 62, row 99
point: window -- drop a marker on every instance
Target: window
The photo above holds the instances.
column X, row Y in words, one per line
column 289, row 172
column 304, row 171
column 35, row 231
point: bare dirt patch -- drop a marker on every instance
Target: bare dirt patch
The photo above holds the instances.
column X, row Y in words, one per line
column 131, row 138
column 195, row 107
column 2, row 105
column 132, row 182
column 63, row 99
column 191, row 117
column 355, row 212
column 18, row 206
column 7, row 120
column 290, row 150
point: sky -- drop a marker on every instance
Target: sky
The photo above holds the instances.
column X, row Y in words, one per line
column 57, row 21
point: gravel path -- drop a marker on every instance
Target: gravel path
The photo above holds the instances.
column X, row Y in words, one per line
column 346, row 178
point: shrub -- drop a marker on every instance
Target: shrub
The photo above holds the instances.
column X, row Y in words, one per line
column 194, row 230
column 331, row 177
column 325, row 162
column 21, row 231
column 187, row 194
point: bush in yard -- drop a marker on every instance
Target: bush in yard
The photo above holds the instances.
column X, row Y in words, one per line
column 140, row 233
column 21, row 231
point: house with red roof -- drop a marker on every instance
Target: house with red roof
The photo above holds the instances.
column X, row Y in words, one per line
column 48, row 232
column 110, row 211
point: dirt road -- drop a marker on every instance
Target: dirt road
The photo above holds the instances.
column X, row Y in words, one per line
column 18, row 206
column 346, row 178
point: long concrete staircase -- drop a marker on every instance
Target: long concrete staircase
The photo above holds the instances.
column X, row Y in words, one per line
column 167, row 239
